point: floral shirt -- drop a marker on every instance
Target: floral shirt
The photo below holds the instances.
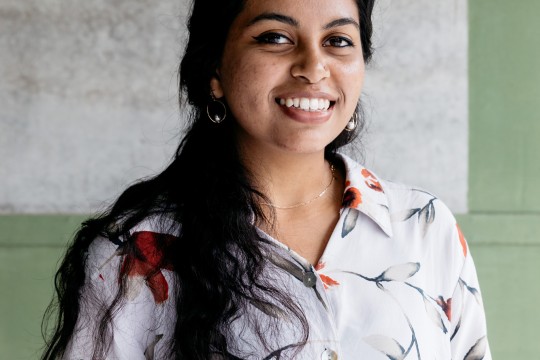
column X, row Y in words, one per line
column 396, row 281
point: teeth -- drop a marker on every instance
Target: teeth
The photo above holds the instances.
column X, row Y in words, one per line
column 306, row 104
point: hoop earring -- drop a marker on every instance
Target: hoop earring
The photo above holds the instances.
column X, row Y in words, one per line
column 217, row 108
column 353, row 123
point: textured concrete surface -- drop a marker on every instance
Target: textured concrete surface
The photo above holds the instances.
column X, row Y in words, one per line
column 416, row 97
column 88, row 98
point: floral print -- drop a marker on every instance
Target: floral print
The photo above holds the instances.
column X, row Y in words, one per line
column 352, row 196
column 396, row 281
column 371, row 180
column 328, row 282
column 147, row 265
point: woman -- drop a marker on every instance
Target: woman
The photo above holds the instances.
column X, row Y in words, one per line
column 260, row 240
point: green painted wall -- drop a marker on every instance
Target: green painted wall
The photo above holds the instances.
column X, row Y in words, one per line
column 503, row 224
column 502, row 227
column 30, row 248
column 504, row 53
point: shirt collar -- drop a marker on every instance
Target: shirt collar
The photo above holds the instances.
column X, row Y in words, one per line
column 364, row 192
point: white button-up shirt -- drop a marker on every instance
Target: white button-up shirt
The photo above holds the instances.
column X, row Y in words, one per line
column 396, row 281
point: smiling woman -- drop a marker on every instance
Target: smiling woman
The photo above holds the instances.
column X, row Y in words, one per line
column 261, row 240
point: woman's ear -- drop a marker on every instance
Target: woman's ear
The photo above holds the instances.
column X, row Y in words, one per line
column 215, row 87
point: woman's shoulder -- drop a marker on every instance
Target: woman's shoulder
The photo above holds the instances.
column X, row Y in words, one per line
column 407, row 201
column 398, row 199
column 113, row 239
column 141, row 253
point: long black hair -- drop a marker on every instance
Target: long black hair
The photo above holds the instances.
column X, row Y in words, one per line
column 217, row 258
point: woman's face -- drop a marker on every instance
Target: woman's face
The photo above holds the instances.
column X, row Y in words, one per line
column 292, row 73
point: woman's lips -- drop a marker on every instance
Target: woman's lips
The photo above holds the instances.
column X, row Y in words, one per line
column 307, row 110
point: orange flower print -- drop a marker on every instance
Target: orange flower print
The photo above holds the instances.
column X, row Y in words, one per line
column 327, row 280
column 352, row 197
column 446, row 306
column 462, row 240
column 372, row 181
column 148, row 262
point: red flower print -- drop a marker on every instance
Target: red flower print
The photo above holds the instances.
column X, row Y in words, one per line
column 327, row 280
column 352, row 197
column 462, row 240
column 149, row 260
column 446, row 306
column 372, row 181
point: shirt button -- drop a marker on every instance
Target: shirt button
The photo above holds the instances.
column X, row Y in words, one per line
column 329, row 354
column 309, row 279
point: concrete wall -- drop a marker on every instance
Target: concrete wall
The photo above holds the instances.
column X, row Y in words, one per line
column 87, row 105
column 88, row 98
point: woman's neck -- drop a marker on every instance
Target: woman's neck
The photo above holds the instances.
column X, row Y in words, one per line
column 288, row 180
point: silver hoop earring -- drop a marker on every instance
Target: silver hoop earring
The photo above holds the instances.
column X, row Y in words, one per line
column 216, row 110
column 353, row 123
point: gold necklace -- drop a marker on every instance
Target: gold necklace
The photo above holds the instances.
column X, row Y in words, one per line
column 332, row 169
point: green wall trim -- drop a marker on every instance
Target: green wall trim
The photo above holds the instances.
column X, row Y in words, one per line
column 501, row 229
column 38, row 230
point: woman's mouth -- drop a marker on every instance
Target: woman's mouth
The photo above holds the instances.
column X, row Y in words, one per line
column 306, row 104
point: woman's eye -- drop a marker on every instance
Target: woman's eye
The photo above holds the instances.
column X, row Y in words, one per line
column 272, row 38
column 338, row 41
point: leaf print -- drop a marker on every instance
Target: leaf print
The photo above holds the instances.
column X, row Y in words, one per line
column 434, row 315
column 462, row 240
column 288, row 266
column 387, row 346
column 446, row 306
column 478, row 351
column 456, row 330
column 410, row 213
column 472, row 290
column 399, row 272
column 426, row 215
column 351, row 198
column 150, row 349
column 350, row 221
column 297, row 272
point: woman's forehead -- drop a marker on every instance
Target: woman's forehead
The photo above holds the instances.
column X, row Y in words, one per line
column 300, row 10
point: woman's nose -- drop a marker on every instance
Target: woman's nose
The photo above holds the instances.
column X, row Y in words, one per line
column 310, row 65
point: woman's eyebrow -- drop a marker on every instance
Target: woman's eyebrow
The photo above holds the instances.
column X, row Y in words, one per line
column 274, row 16
column 291, row 21
column 342, row 22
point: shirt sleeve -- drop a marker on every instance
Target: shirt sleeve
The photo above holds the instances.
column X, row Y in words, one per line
column 469, row 333
column 133, row 322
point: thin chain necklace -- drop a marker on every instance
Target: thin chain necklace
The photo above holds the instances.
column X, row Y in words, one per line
column 332, row 169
